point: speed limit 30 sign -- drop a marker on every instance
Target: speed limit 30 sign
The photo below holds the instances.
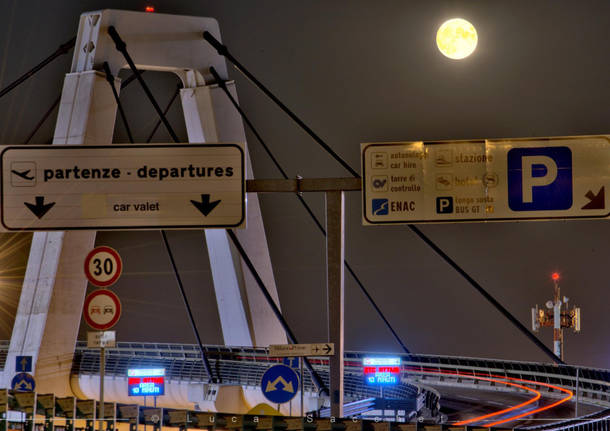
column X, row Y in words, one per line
column 103, row 266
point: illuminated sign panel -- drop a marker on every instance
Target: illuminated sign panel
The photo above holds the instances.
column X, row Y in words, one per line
column 381, row 361
column 146, row 372
column 381, row 371
column 146, row 382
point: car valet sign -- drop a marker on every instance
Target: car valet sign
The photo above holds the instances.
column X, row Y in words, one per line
column 485, row 180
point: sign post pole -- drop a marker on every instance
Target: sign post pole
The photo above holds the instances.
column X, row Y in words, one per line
column 301, row 351
column 102, row 373
column 335, row 234
column 302, row 359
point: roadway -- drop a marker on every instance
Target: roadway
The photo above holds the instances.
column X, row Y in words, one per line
column 463, row 388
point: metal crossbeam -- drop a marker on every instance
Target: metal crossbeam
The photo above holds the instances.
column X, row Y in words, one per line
column 298, row 185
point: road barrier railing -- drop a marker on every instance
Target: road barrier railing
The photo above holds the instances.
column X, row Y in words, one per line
column 245, row 366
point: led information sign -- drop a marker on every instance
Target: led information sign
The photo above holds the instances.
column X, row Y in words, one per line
column 381, row 371
column 143, row 382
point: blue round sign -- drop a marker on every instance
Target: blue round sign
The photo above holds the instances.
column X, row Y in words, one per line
column 23, row 382
column 280, row 384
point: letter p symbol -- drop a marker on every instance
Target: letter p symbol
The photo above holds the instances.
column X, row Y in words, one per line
column 539, row 179
column 537, row 171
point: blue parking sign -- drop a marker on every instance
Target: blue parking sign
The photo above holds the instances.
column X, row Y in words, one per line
column 539, row 179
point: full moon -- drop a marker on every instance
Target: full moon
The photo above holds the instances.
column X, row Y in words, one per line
column 456, row 38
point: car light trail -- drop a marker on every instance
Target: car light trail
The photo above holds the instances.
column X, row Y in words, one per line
column 495, row 376
column 569, row 396
column 489, row 379
column 480, row 376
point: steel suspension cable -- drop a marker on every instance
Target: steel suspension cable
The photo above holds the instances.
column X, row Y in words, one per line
column 291, row 337
column 54, row 105
column 42, row 120
column 63, row 49
column 165, row 111
column 488, row 296
column 122, row 47
column 224, row 51
column 131, row 78
column 110, row 79
column 222, row 84
column 204, row 357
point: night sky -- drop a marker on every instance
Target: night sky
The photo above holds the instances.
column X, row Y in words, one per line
column 362, row 71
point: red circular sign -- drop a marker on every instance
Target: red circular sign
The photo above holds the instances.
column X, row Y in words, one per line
column 102, row 309
column 103, row 266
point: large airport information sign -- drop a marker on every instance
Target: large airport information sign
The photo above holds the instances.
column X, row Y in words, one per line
column 381, row 370
column 143, row 382
column 178, row 186
column 525, row 179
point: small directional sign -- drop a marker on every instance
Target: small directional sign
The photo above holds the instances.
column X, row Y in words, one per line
column 287, row 350
column 121, row 187
column 292, row 362
column 23, row 382
column 23, row 364
column 280, row 384
column 101, row 339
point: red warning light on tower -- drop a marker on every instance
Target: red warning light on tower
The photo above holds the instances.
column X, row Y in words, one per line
column 149, row 9
column 557, row 316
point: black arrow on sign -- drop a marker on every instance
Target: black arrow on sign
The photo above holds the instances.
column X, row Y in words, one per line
column 40, row 208
column 327, row 349
column 205, row 206
column 597, row 202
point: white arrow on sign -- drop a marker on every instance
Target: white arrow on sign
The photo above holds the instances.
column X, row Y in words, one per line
column 289, row 350
column 178, row 186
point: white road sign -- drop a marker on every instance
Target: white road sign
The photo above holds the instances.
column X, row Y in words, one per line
column 103, row 266
column 181, row 186
column 288, row 350
column 101, row 339
column 525, row 179
column 102, row 309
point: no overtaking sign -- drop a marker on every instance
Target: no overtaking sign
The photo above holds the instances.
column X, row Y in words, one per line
column 102, row 309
